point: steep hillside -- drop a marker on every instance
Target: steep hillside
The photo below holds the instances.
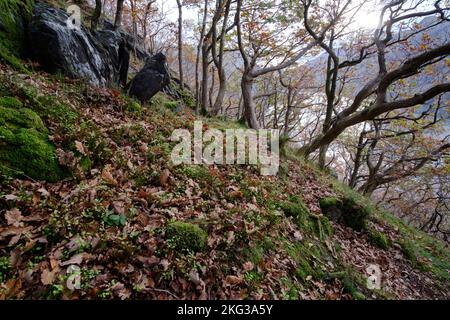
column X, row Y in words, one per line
column 117, row 215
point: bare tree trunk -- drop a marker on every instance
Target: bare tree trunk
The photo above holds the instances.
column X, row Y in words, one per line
column 204, row 86
column 218, row 61
column 134, row 25
column 197, row 60
column 248, row 102
column 211, row 89
column 96, row 15
column 180, row 42
column 358, row 157
column 330, row 91
column 119, row 11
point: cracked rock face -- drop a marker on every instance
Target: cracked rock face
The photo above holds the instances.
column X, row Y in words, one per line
column 77, row 53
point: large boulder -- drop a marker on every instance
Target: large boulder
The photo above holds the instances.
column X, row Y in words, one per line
column 75, row 52
column 154, row 77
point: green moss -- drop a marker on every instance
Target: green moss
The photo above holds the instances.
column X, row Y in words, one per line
column 348, row 210
column 24, row 145
column 14, row 15
column 51, row 109
column 200, row 174
column 379, row 239
column 21, row 118
column 133, row 107
column 355, row 215
column 408, row 250
column 326, row 203
column 306, row 258
column 29, row 151
column 318, row 225
column 323, row 227
column 296, row 210
column 172, row 105
column 10, row 102
column 86, row 164
column 349, row 280
column 186, row 237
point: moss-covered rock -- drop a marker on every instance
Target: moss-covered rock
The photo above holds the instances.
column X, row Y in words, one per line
column 347, row 211
column 21, row 118
column 318, row 225
column 355, row 214
column 329, row 202
column 332, row 208
column 14, row 15
column 296, row 210
column 29, row 151
column 186, row 237
column 24, row 145
column 10, row 102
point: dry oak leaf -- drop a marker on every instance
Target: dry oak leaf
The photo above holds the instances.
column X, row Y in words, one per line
column 248, row 266
column 107, row 176
column 80, row 148
column 47, row 276
column 232, row 280
column 76, row 259
column 164, row 178
column 14, row 217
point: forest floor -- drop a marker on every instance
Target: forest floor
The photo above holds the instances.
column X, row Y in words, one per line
column 113, row 216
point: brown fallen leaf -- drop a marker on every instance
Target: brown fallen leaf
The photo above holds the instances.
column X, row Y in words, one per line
column 236, row 194
column 80, row 148
column 248, row 266
column 107, row 176
column 119, row 207
column 47, row 276
column 14, row 217
column 232, row 280
column 164, row 178
column 76, row 259
column 148, row 261
column 44, row 192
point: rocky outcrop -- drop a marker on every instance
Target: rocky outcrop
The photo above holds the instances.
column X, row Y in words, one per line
column 101, row 57
column 75, row 52
column 154, row 77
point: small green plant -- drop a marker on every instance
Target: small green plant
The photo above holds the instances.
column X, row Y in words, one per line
column 118, row 220
column 133, row 107
column 55, row 291
column 379, row 239
column 5, row 267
